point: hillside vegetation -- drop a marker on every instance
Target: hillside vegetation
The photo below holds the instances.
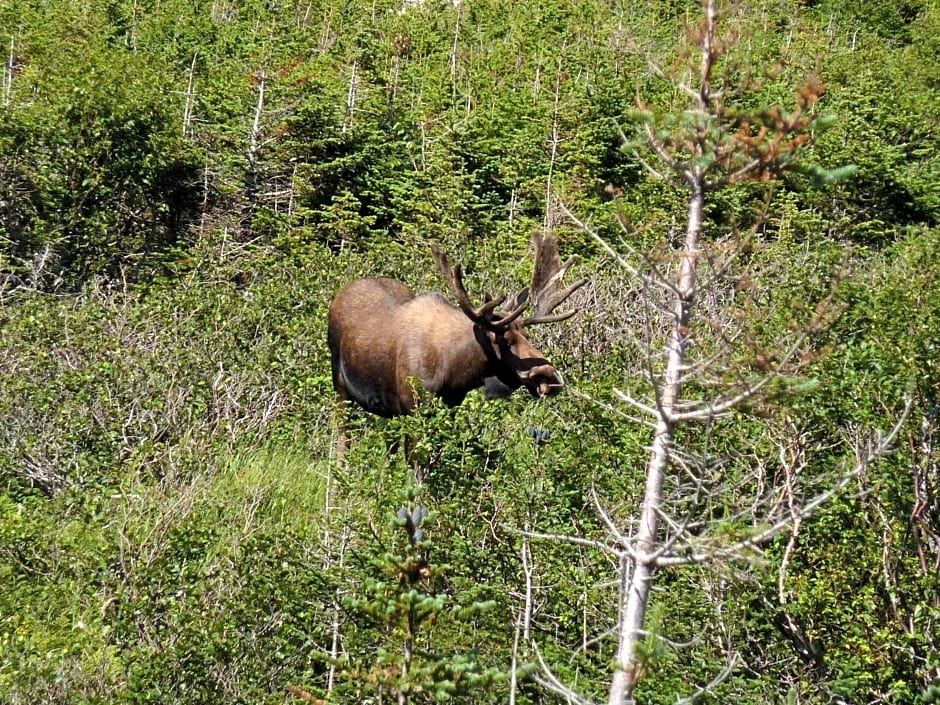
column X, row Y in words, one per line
column 184, row 185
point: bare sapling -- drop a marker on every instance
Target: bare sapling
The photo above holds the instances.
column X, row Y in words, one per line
column 697, row 328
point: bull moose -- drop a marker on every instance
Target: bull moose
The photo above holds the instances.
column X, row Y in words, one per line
column 383, row 339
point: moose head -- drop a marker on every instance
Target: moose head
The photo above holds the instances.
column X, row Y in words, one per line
column 500, row 333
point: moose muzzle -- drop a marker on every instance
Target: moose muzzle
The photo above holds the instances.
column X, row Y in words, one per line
column 542, row 380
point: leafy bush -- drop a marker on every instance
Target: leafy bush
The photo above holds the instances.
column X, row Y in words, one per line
column 184, row 186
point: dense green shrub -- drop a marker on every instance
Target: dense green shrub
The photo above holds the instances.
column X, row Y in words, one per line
column 183, row 186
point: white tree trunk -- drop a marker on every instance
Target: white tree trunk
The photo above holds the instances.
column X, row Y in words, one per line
column 635, row 593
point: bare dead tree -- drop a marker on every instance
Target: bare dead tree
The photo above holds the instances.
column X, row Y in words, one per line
column 9, row 72
column 190, row 96
column 699, row 307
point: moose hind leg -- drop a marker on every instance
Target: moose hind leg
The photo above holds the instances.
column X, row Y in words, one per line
column 340, row 426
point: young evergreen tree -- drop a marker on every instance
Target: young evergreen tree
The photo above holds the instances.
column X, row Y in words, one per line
column 400, row 602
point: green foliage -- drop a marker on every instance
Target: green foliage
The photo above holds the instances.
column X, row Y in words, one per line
column 887, row 106
column 171, row 528
column 211, row 572
column 860, row 589
column 399, row 600
column 94, row 167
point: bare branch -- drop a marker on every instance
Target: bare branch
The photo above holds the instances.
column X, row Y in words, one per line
column 550, row 682
column 523, row 621
column 718, row 679
column 710, row 410
column 599, row 240
column 653, row 171
column 576, row 540
column 608, row 522
column 639, row 406
column 659, row 149
column 734, row 177
column 796, row 449
column 672, row 643
column 681, row 85
column 609, row 407
column 880, row 448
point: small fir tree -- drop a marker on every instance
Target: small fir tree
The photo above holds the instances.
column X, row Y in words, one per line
column 402, row 602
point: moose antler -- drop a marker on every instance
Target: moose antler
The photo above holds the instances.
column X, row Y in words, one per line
column 481, row 314
column 546, row 291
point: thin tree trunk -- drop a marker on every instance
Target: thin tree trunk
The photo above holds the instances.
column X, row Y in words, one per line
column 635, row 600
column 351, row 97
column 254, row 145
column 407, row 655
column 453, row 59
column 553, row 141
column 8, row 74
column 190, row 97
column 336, row 643
column 523, row 622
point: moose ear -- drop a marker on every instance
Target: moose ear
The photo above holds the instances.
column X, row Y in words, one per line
column 519, row 299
